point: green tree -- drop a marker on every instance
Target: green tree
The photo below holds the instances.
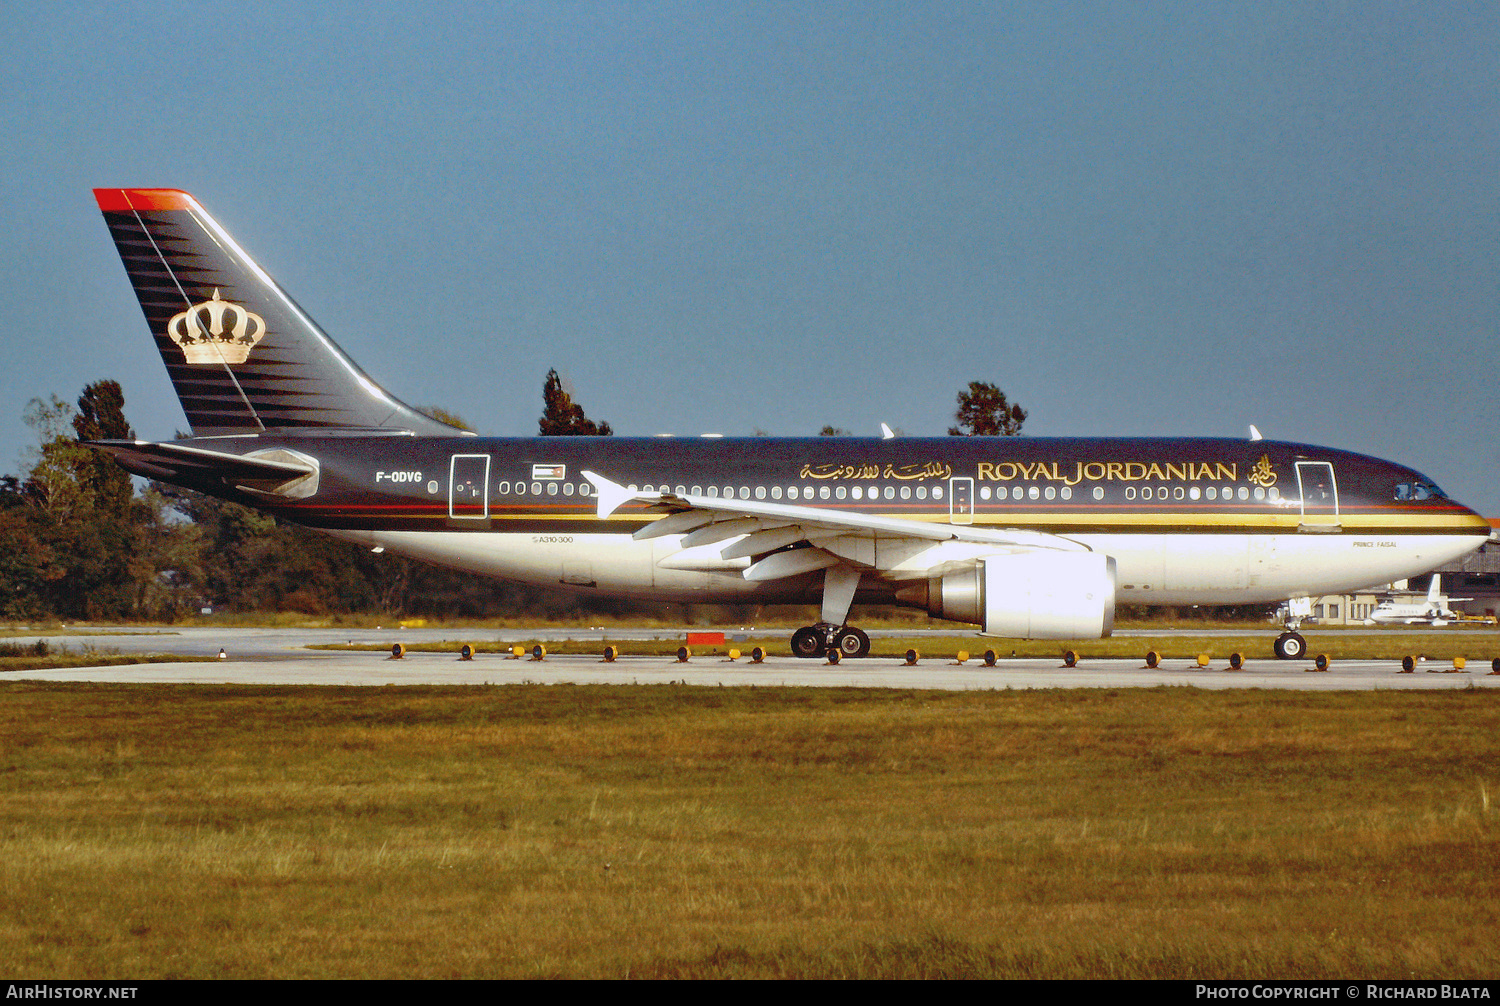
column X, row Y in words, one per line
column 562, row 417
column 101, row 416
column 54, row 482
column 984, row 412
column 833, row 431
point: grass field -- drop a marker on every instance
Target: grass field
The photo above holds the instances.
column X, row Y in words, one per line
column 154, row 831
column 41, row 653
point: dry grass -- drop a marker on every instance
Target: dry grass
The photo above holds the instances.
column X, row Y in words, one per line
column 151, row 831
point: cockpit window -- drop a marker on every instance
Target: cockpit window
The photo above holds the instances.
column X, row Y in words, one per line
column 1420, row 489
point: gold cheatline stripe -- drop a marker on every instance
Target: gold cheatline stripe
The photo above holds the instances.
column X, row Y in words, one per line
column 1287, row 521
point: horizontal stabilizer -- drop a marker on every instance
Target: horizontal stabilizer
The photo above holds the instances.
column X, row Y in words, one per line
column 174, row 462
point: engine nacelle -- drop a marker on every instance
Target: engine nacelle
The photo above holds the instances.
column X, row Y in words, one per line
column 1030, row 595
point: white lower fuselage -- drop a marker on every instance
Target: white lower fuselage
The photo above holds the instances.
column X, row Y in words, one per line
column 1152, row 569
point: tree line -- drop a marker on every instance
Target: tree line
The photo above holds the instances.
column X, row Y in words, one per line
column 79, row 542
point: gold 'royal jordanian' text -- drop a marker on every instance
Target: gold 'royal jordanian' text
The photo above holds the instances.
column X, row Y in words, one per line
column 1107, row 471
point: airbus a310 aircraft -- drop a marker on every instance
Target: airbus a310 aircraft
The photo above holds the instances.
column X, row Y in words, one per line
column 1027, row 537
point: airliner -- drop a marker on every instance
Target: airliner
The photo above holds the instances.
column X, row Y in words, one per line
column 1027, row 537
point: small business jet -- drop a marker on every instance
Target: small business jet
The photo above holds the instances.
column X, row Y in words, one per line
column 1433, row 611
column 1027, row 537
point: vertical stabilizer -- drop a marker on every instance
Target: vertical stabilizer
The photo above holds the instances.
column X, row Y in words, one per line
column 241, row 354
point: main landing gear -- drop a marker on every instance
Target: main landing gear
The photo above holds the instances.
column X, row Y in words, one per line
column 831, row 635
column 818, row 640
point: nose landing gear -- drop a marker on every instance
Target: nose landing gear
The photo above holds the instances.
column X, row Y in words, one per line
column 1290, row 645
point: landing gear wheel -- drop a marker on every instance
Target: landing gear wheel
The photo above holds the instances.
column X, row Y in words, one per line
column 808, row 642
column 1289, row 646
column 852, row 643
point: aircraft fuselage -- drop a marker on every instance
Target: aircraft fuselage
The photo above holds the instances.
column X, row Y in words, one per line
column 1188, row 521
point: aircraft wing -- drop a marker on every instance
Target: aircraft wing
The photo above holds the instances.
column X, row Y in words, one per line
column 895, row 546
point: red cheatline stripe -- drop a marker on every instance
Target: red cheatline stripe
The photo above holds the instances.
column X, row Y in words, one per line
column 125, row 200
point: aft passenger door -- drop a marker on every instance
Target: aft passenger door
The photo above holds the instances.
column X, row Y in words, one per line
column 960, row 501
column 468, row 487
column 1320, row 496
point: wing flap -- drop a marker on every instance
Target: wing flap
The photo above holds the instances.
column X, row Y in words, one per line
column 791, row 563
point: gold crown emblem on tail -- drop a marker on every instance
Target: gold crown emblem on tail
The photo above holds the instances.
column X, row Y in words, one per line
column 201, row 331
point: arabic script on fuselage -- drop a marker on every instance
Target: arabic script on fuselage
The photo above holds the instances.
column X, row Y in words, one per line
column 869, row 470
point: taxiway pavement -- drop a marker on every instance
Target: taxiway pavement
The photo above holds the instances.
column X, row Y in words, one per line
column 281, row 657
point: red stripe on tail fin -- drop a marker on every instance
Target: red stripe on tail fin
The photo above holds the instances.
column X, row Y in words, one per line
column 125, row 200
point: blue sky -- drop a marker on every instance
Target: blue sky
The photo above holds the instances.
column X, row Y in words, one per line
column 1137, row 219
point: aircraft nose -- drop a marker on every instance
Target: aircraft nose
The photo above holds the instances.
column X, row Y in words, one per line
column 1470, row 523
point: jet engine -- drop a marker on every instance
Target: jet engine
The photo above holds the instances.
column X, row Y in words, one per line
column 1026, row 595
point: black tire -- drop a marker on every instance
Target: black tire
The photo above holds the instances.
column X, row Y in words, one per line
column 852, row 643
column 808, row 642
column 1290, row 646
